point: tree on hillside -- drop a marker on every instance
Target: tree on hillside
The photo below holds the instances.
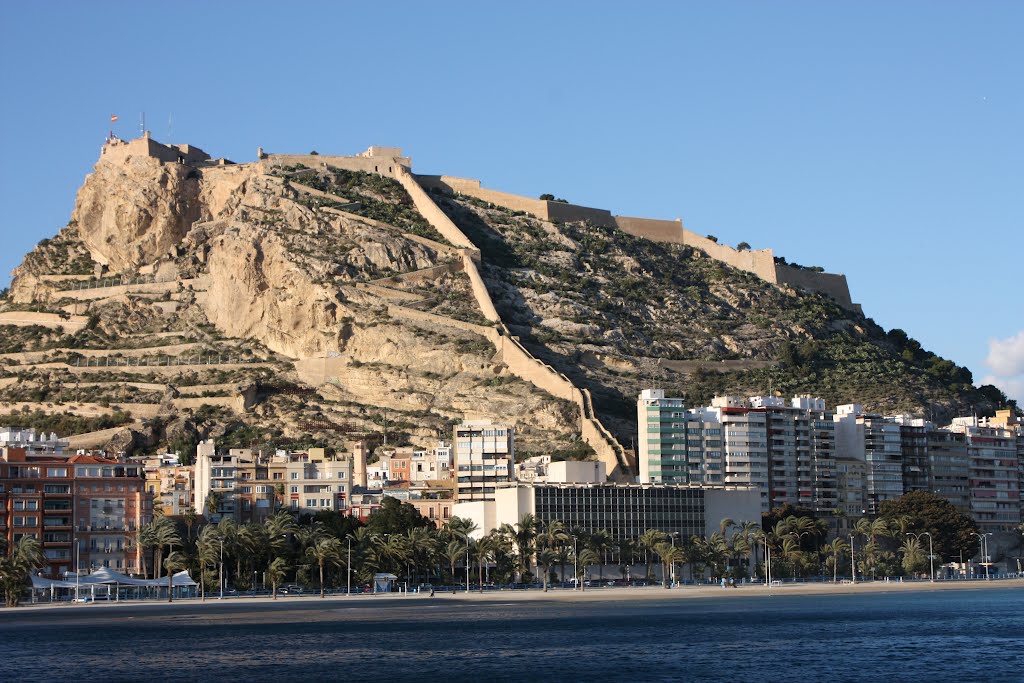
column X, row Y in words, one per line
column 951, row 530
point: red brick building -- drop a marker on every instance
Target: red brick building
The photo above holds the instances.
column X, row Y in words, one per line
column 91, row 502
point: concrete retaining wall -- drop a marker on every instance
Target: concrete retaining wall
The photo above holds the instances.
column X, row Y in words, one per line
column 138, row 410
column 51, row 320
column 141, row 288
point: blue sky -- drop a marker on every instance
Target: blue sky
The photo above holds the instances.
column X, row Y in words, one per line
column 881, row 140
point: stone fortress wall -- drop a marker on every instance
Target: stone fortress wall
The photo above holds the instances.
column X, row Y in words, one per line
column 759, row 262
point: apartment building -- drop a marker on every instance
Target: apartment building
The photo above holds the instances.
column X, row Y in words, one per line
column 34, row 444
column 484, row 457
column 171, row 484
column 852, row 493
column 995, row 496
column 949, row 468
column 249, row 487
column 878, row 442
column 85, row 509
column 785, row 451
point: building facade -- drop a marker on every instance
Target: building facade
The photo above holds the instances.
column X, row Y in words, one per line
column 85, row 510
column 484, row 457
column 624, row 511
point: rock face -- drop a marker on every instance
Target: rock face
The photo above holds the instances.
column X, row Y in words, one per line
column 133, row 211
column 254, row 275
column 255, row 290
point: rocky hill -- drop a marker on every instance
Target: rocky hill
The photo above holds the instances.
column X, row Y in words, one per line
column 310, row 300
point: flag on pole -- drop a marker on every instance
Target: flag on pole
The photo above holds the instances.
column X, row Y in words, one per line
column 113, row 117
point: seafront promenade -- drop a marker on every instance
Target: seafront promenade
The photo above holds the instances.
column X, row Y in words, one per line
column 560, row 595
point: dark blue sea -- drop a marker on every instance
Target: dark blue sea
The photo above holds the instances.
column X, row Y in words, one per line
column 953, row 635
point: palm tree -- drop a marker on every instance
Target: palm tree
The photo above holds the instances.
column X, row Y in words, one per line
column 600, row 542
column 190, row 519
column 485, row 549
column 174, row 563
column 913, row 555
column 207, row 547
column 164, row 534
column 791, row 553
column 647, row 541
column 144, row 539
column 212, row 504
column 452, row 552
column 17, row 566
column 422, row 545
column 326, row 550
column 725, row 525
column 546, row 558
column 279, row 526
column 670, row 554
column 525, row 536
column 276, row 571
column 391, row 551
column 462, row 527
column 227, row 533
column 586, row 558
column 254, row 545
column 835, row 550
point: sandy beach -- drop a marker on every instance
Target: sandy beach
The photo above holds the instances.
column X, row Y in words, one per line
column 560, row 595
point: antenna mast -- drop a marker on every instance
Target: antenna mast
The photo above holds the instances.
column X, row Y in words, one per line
column 142, row 126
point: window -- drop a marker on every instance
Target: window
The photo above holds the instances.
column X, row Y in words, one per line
column 56, row 471
column 295, row 489
column 295, row 475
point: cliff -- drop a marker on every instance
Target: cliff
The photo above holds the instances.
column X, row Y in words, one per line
column 315, row 299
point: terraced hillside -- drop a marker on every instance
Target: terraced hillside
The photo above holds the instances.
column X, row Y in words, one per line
column 618, row 313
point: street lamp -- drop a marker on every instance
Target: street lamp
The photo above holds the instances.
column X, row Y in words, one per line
column 767, row 562
column 221, row 581
column 672, row 538
column 983, row 547
column 348, row 583
column 575, row 566
column 853, row 561
column 931, row 555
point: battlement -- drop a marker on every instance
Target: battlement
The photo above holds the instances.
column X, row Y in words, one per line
column 760, row 262
column 386, row 161
column 116, row 149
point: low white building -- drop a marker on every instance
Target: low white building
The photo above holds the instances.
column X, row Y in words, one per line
column 34, row 443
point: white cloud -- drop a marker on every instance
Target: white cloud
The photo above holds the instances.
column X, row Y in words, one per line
column 1006, row 356
column 1006, row 359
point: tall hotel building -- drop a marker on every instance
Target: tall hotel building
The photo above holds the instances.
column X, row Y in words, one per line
column 484, row 455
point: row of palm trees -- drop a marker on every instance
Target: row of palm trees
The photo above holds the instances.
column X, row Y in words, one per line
column 528, row 551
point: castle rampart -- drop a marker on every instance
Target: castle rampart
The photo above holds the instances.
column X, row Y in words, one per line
column 758, row 262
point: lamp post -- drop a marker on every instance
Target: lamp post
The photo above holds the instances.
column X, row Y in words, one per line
column 348, row 582
column 853, row 561
column 221, row 580
column 767, row 563
column 931, row 555
column 467, row 562
column 575, row 566
column 672, row 538
column 983, row 547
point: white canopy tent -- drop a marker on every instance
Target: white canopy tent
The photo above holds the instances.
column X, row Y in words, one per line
column 109, row 582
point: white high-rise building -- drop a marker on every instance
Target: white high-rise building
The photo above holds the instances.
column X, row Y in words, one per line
column 484, row 459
